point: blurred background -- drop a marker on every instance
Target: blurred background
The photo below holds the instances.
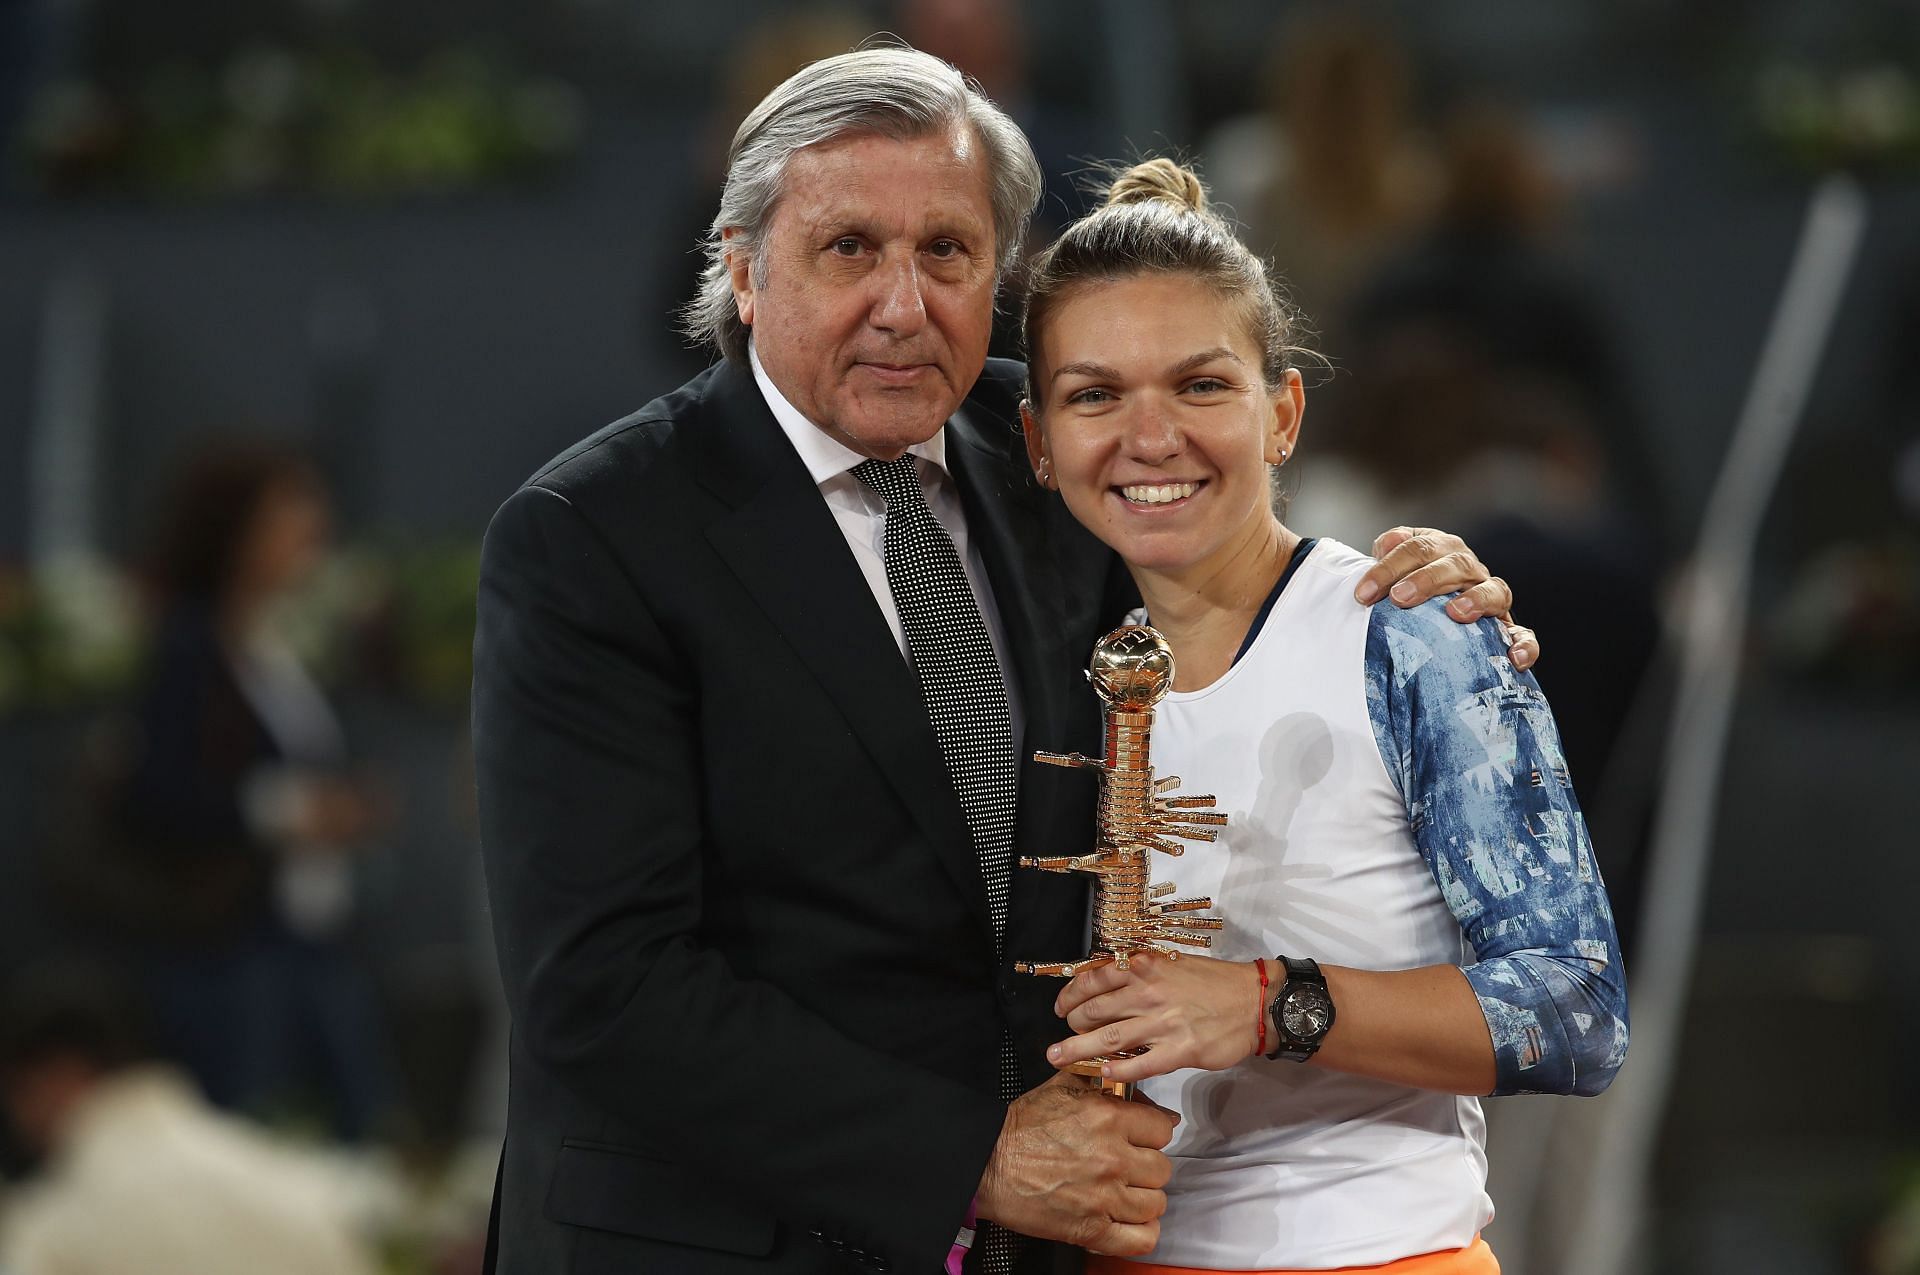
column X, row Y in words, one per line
column 294, row 292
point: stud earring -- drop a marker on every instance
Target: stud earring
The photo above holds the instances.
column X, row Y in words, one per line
column 1046, row 472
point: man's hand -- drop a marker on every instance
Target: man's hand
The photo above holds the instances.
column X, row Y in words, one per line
column 1077, row 1165
column 1417, row 563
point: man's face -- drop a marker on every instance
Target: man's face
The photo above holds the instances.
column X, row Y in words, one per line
column 876, row 304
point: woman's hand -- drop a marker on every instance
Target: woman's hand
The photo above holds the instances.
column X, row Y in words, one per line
column 1190, row 1011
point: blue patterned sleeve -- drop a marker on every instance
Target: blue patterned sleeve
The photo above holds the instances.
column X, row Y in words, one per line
column 1473, row 747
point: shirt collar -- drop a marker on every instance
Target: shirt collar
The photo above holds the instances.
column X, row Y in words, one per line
column 825, row 456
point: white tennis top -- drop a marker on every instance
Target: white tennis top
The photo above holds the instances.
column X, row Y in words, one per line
column 1277, row 1164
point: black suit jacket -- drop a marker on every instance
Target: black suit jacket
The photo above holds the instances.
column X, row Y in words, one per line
column 741, row 927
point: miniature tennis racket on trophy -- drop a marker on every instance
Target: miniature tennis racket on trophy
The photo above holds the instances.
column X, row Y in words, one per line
column 1132, row 669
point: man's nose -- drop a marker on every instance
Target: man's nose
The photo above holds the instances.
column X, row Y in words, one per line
column 898, row 306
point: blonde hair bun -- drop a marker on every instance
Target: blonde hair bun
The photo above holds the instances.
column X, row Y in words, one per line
column 1160, row 179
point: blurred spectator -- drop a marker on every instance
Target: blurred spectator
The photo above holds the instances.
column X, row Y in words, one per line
column 988, row 40
column 237, row 819
column 981, row 37
column 1487, row 394
column 1331, row 176
column 1488, row 275
column 137, row 1172
column 1841, row 554
column 764, row 55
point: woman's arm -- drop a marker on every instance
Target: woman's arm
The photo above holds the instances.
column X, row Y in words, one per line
column 1474, row 751
column 1420, row 1027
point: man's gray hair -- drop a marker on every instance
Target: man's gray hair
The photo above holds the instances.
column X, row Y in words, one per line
column 893, row 92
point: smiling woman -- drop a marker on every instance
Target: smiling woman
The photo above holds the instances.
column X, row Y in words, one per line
column 1162, row 426
column 1398, row 803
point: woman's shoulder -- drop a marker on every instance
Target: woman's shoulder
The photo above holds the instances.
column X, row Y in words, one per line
column 1336, row 557
column 1408, row 641
column 1426, row 644
column 1325, row 571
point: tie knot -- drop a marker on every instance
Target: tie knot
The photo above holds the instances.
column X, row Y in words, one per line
column 897, row 481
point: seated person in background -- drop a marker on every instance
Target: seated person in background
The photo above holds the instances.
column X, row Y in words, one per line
column 137, row 1172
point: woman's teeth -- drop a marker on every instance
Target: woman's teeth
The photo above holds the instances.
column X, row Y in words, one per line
column 1160, row 495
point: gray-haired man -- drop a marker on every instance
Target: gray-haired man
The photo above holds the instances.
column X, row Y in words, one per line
column 748, row 868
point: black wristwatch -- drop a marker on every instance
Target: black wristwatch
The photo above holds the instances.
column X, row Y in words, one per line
column 1302, row 1013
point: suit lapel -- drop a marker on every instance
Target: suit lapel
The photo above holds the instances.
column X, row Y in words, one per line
column 781, row 541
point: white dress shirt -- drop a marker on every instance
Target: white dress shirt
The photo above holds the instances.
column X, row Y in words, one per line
column 862, row 515
column 314, row 889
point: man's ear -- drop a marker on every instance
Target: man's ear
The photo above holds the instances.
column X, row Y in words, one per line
column 740, row 272
column 1036, row 441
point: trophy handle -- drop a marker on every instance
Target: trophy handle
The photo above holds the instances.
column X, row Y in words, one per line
column 1062, row 969
column 1065, row 862
column 1076, row 760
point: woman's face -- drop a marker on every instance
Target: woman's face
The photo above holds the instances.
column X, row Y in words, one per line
column 286, row 538
column 1155, row 423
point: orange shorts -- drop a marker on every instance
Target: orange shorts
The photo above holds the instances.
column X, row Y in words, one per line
column 1475, row 1259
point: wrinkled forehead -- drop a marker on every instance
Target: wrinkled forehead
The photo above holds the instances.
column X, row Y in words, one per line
column 939, row 175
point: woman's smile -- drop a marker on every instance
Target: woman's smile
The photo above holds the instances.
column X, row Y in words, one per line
column 1164, row 494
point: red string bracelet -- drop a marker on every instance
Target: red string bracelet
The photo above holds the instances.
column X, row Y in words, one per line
column 1260, row 1009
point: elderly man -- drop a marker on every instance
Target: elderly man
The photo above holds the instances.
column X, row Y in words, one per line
column 759, row 672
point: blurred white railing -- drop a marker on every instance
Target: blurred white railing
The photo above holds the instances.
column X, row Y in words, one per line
column 1707, row 632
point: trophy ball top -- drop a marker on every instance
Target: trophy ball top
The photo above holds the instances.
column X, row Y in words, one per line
column 1132, row 667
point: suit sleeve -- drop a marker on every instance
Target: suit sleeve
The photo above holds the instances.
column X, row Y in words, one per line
column 1473, row 747
column 590, row 759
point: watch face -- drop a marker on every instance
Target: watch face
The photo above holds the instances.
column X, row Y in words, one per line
column 1307, row 1012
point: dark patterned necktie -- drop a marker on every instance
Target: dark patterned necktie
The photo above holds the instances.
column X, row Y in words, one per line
column 967, row 704
column 959, row 676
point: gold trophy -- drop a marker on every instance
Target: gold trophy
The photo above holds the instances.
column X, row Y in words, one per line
column 1132, row 670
